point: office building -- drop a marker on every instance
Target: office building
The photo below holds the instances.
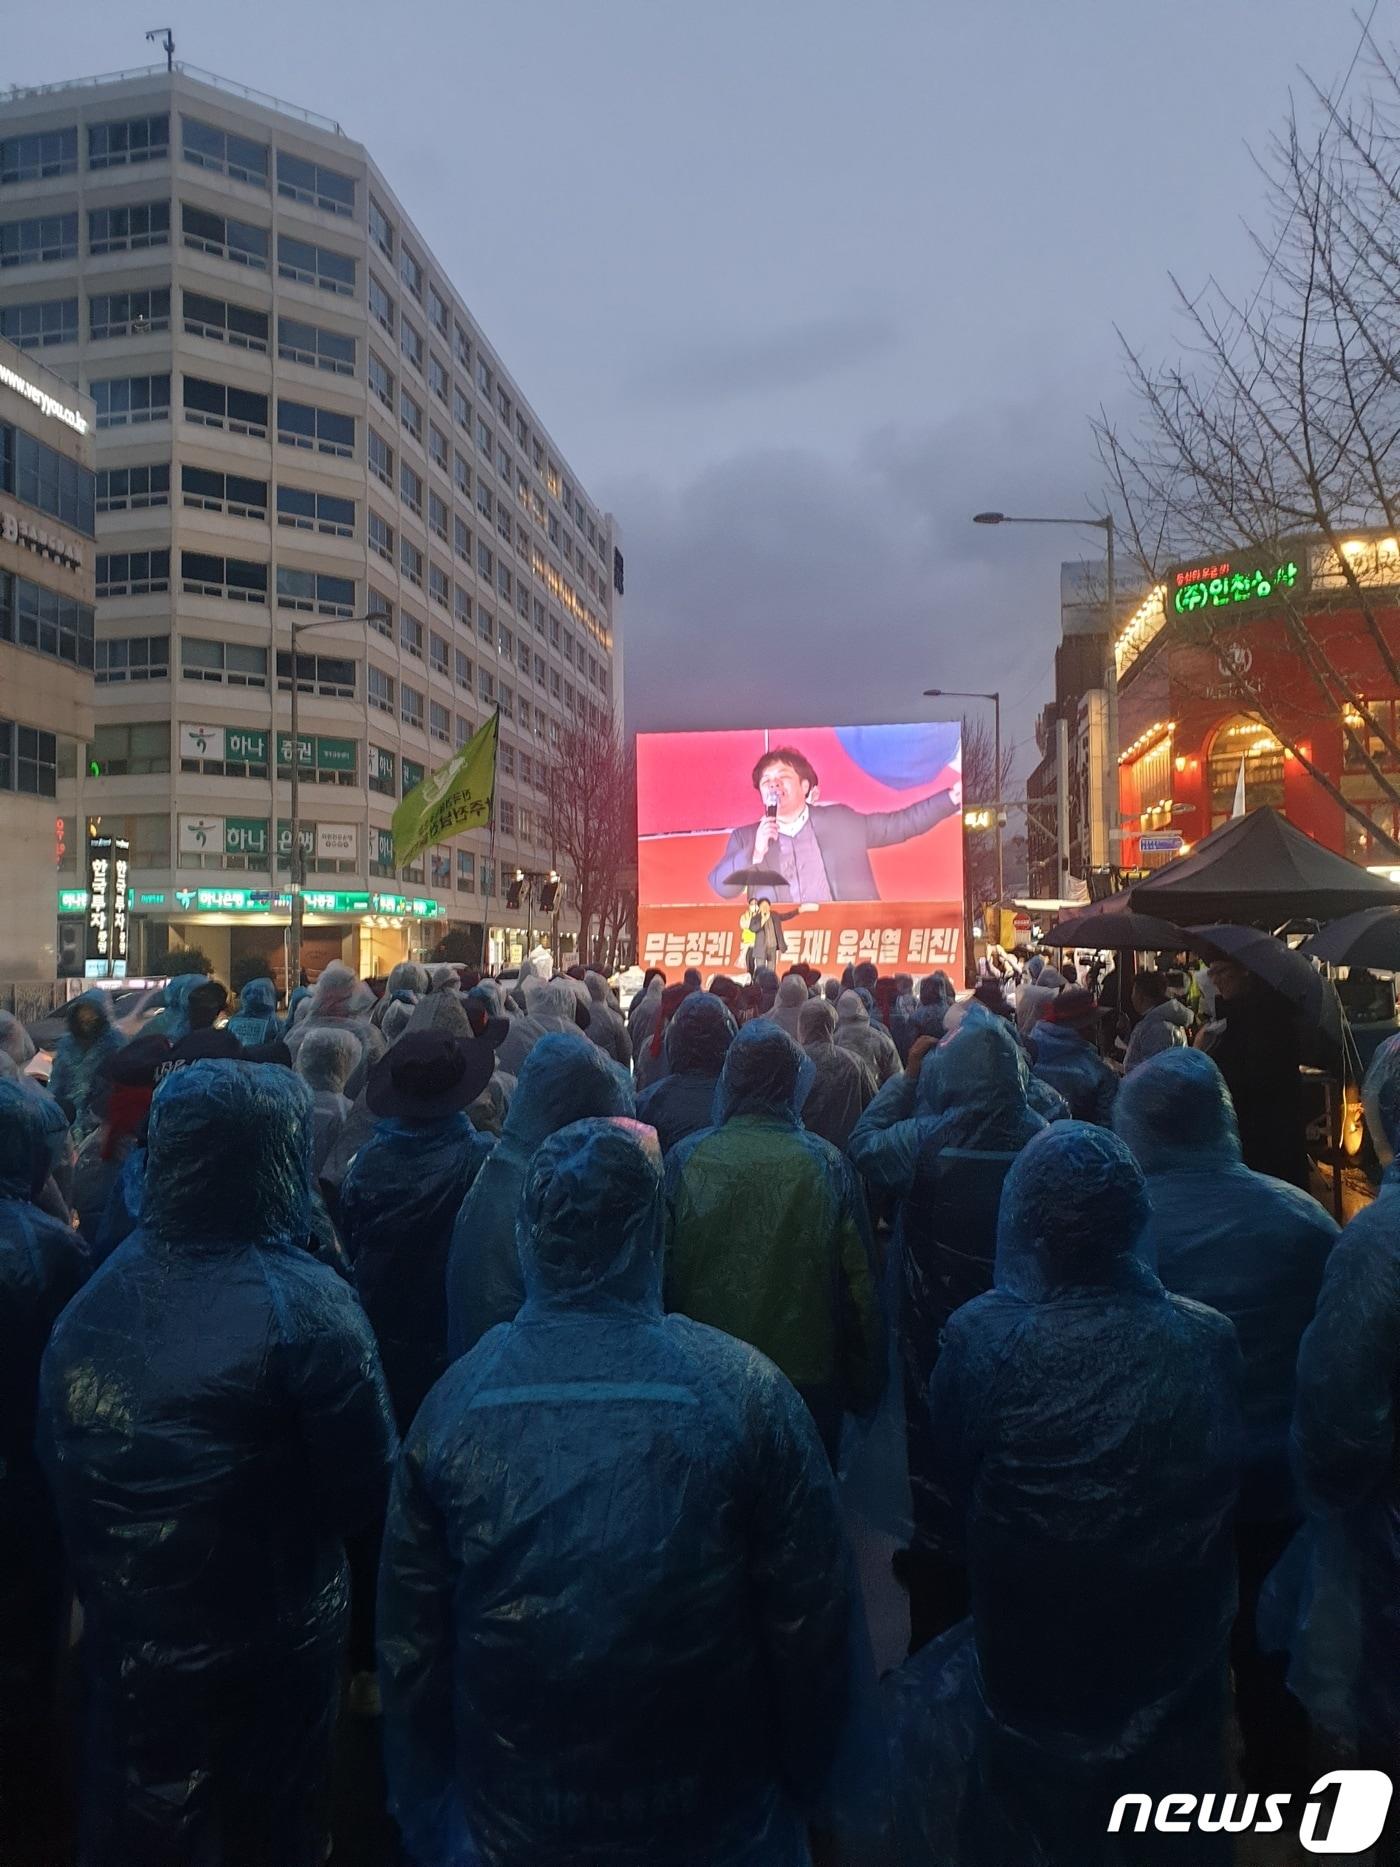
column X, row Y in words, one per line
column 299, row 427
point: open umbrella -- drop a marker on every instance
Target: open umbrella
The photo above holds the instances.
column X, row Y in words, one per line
column 1291, row 975
column 1121, row 932
column 755, row 878
column 1371, row 938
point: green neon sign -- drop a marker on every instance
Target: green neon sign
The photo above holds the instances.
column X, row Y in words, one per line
column 1222, row 586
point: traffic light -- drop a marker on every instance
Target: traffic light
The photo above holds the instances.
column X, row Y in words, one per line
column 516, row 890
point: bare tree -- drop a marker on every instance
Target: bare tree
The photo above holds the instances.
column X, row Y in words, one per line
column 983, row 788
column 1282, row 422
column 589, row 821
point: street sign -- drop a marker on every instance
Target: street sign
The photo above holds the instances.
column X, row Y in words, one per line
column 1161, row 843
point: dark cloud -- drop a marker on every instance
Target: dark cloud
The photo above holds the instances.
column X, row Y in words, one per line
column 795, row 357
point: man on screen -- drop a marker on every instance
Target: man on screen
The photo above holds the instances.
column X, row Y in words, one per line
column 820, row 850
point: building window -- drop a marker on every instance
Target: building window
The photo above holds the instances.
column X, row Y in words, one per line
column 463, row 673
column 137, row 139
column 437, row 377
column 381, row 537
column 128, row 229
column 411, row 488
column 132, row 573
column 234, row 663
column 314, row 184
column 381, row 615
column 411, row 562
column 238, row 157
column 485, row 561
column 439, row 722
column 485, row 439
column 486, row 627
column 380, row 688
column 313, row 590
column 133, row 489
column 235, row 579
column 381, row 458
column 132, row 658
column 135, row 751
column 235, row 325
column 411, row 344
column 28, row 760
column 216, row 405
column 315, row 265
column 411, row 415
column 126, row 314
column 438, row 655
column 45, row 237
column 410, row 706
column 124, row 401
column 35, row 327
column 486, row 686
column 380, row 231
column 461, row 606
column 381, row 381
column 507, row 752
column 461, row 346
column 461, row 476
column 303, row 510
column 437, row 447
column 317, row 348
column 411, row 273
column 233, row 493
column 462, row 539
column 437, row 515
column 439, row 586
column 505, row 817
column 466, row 862
column 332, row 676
column 37, row 156
column 224, row 237
column 461, row 411
column 301, row 425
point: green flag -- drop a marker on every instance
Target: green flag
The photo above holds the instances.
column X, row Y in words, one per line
column 457, row 796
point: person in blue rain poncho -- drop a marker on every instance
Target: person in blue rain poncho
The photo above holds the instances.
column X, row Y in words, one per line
column 1255, row 1249
column 401, row 1197
column 942, row 1137
column 90, row 1039
column 172, row 1021
column 616, row 1617
column 214, row 1425
column 564, row 1079
column 1066, row 1056
column 256, row 1021
column 1089, row 1431
column 42, row 1265
column 1335, row 1600
column 697, row 1041
column 769, row 1236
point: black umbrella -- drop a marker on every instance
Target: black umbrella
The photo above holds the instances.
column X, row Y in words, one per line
column 755, row 878
column 1371, row 938
column 1122, row 932
column 1291, row 975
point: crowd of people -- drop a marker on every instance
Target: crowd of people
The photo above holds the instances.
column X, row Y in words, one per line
column 511, row 1370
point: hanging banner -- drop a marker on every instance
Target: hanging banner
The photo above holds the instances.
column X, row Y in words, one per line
column 457, row 796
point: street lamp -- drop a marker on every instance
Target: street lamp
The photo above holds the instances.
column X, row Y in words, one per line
column 296, row 861
column 1110, row 779
column 957, row 693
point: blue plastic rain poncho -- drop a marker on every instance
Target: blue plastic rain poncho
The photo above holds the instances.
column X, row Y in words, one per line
column 1337, row 1594
column 398, row 1205
column 1089, row 1429
column 1251, row 1247
column 697, row 1041
column 606, row 1024
column 870, row 1041
column 78, row 1060
column 615, row 1620
column 769, row 1237
column 256, row 1021
column 213, row 1425
column 172, row 1021
column 943, row 1144
column 565, row 1078
column 42, row 1264
column 549, row 1011
column 1071, row 1065
column 842, row 1086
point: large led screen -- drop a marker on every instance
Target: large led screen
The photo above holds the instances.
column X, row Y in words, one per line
column 819, row 844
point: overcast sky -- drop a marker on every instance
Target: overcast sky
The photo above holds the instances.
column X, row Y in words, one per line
column 799, row 285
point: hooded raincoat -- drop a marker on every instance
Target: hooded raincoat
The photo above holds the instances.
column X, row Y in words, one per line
column 1088, row 1426
column 1035, row 993
column 697, row 1041
column 871, row 1042
column 606, row 1025
column 792, row 996
column 42, row 1265
column 943, row 1143
column 768, row 1235
column 325, row 1063
column 1336, row 1597
column 213, row 1425
column 256, row 1021
column 645, row 1010
column 842, row 1085
column 1072, row 1065
column 1251, row 1247
column 398, row 1205
column 565, row 1079
column 77, row 1062
column 615, row 1619
column 1162, row 1028
column 172, row 1021
column 549, row 1011
column 340, row 1002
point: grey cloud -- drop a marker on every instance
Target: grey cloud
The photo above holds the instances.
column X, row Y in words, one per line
column 795, row 357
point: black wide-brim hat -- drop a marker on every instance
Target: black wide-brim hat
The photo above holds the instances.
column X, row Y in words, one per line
column 427, row 1074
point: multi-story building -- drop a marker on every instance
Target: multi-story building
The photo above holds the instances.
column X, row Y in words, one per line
column 300, row 427
column 46, row 648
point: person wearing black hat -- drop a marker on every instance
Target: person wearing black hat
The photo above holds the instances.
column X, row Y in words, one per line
column 400, row 1199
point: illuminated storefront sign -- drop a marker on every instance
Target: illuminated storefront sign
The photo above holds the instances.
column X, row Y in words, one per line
column 108, row 864
column 44, row 402
column 265, row 901
column 1221, row 586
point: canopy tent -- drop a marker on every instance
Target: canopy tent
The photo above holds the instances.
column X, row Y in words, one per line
column 1261, row 868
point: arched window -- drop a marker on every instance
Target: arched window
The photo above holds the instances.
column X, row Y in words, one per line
column 1243, row 738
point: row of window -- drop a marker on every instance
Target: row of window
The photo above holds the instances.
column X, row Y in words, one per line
column 126, row 401
column 37, row 475
column 39, row 154
column 35, row 617
column 28, row 760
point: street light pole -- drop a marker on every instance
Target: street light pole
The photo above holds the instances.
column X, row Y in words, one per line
column 296, row 866
column 1112, row 823
column 954, row 693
